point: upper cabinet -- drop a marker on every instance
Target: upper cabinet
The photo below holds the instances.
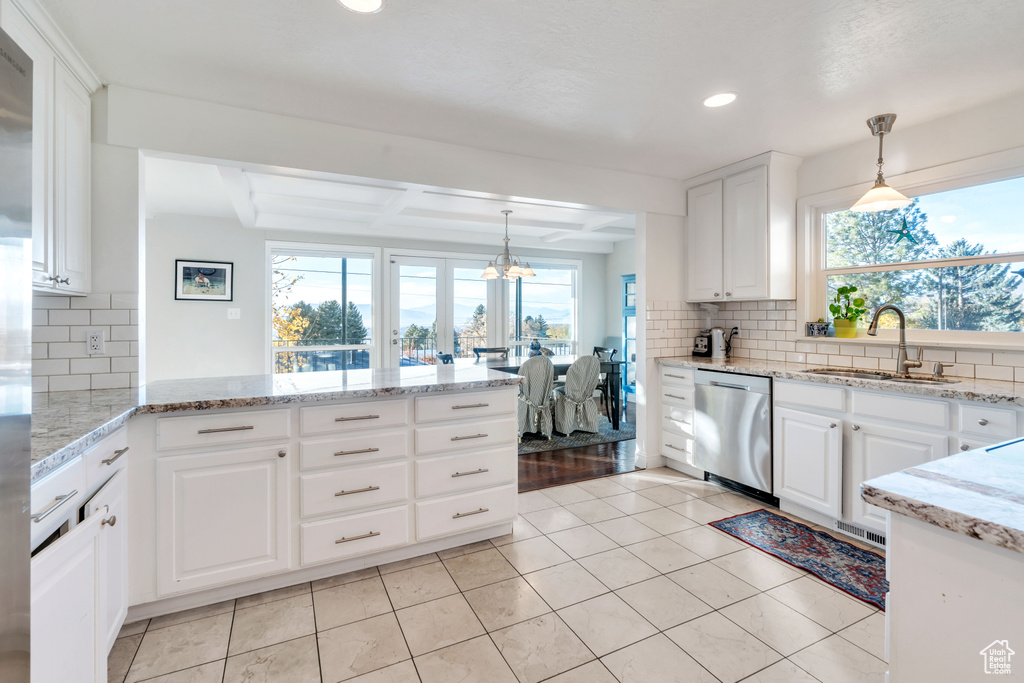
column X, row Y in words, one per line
column 741, row 228
column 61, row 151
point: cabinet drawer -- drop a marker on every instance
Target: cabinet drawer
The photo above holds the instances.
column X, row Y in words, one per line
column 995, row 423
column 674, row 412
column 369, row 532
column 917, row 411
column 469, row 511
column 55, row 497
column 461, row 472
column 677, row 396
column 353, row 449
column 343, row 490
column 971, row 443
column 348, row 417
column 682, row 377
column 105, row 458
column 811, row 395
column 222, row 428
column 466, row 435
column 470, row 404
column 677, row 447
column 680, row 427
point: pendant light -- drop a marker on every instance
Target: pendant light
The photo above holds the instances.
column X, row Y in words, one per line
column 506, row 265
column 881, row 197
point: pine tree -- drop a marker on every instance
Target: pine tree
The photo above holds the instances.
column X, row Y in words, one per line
column 327, row 324
column 355, row 329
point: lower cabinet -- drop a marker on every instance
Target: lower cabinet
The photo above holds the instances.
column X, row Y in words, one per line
column 808, row 462
column 221, row 517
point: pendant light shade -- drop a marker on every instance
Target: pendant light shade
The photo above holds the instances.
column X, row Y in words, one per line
column 507, row 265
column 881, row 197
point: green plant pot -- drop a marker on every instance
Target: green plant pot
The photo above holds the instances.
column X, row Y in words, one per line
column 845, row 329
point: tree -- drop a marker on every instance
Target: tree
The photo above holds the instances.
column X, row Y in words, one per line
column 327, row 324
column 355, row 330
column 535, row 327
column 288, row 323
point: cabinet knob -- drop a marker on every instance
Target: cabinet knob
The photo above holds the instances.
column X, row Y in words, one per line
column 281, row 454
column 833, row 425
column 717, row 294
column 728, row 293
column 112, row 520
column 983, row 422
column 856, row 428
column 65, row 281
column 965, row 447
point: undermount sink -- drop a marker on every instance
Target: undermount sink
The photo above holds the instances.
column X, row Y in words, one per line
column 883, row 376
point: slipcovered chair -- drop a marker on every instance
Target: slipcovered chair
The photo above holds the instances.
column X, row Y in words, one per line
column 575, row 407
column 535, row 396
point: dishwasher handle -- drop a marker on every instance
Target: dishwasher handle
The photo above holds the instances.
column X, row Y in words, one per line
column 727, row 385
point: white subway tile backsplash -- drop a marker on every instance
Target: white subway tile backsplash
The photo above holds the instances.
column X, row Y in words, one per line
column 113, row 380
column 831, row 349
column 88, row 366
column 49, row 302
column 68, row 317
column 38, row 351
column 45, row 333
column 1004, row 358
column 865, row 363
column 851, row 350
column 841, row 361
column 68, row 350
column 91, row 301
column 39, row 317
column 78, row 332
column 978, row 357
column 40, row 384
column 1000, row 372
column 817, row 359
column 130, row 301
column 69, row 383
column 939, row 355
column 129, row 364
column 50, row 367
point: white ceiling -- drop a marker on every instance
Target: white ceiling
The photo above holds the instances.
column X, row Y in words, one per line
column 317, row 202
column 615, row 84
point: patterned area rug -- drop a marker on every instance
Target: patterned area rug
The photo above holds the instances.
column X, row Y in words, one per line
column 535, row 443
column 861, row 573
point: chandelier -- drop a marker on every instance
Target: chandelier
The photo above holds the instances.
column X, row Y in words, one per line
column 506, row 265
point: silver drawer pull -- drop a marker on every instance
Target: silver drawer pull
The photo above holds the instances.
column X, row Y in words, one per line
column 471, row 405
column 469, row 514
column 112, row 520
column 357, row 538
column 983, row 422
column 965, row 447
column 115, row 456
column 358, row 417
column 678, row 376
column 676, row 448
column 361, row 450
column 225, row 429
column 364, row 490
column 57, row 502
column 681, row 398
column 856, row 428
column 466, row 474
column 471, row 436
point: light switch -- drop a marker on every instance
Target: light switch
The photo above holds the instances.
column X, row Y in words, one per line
column 234, row 313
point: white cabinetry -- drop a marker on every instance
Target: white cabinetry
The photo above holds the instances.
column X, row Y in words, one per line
column 741, row 228
column 808, row 460
column 677, row 395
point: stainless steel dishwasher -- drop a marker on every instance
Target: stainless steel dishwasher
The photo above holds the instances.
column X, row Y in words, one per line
column 733, row 427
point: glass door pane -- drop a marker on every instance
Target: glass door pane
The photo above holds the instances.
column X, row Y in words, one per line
column 469, row 310
column 414, row 333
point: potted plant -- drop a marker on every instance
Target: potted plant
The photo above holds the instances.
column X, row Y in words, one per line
column 846, row 311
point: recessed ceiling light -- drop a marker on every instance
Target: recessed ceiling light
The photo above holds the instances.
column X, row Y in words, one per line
column 363, row 6
column 719, row 99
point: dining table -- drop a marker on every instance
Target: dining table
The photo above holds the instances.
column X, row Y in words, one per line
column 613, row 368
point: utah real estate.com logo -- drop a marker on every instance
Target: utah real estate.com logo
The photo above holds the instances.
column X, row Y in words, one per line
column 997, row 657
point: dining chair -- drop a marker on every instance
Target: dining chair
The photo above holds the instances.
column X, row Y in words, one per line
column 605, row 387
column 575, row 407
column 535, row 396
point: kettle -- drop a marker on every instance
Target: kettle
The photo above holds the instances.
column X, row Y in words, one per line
column 721, row 345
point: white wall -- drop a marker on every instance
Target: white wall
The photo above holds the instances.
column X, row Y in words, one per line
column 621, row 262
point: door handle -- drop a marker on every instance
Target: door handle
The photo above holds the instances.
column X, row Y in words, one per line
column 726, row 385
column 218, row 430
column 115, row 456
column 457, row 515
column 361, row 450
column 57, row 502
column 343, row 539
column 362, row 490
column 466, row 474
column 472, row 436
column 358, row 417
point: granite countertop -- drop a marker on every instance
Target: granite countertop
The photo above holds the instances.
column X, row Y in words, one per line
column 979, row 494
column 65, row 423
column 982, row 390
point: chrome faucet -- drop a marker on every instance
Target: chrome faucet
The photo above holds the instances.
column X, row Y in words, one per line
column 902, row 364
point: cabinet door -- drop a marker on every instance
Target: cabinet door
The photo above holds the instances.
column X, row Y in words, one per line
column 72, row 168
column 704, row 240
column 879, row 450
column 745, row 234
column 221, row 517
column 109, row 503
column 808, row 461
column 65, row 646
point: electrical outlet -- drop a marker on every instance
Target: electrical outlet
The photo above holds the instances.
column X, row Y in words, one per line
column 94, row 342
column 234, row 313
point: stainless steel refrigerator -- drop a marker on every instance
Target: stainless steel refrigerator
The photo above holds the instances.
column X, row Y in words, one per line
column 15, row 356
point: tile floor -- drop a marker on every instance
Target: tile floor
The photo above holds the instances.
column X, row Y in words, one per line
column 614, row 579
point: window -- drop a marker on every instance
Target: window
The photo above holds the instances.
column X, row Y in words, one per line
column 958, row 267
column 542, row 309
column 321, row 309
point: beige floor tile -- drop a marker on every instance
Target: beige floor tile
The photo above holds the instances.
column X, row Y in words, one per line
column 708, row 542
column 121, row 656
column 868, row 634
column 439, row 623
column 782, row 628
column 825, row 605
column 191, row 615
column 700, row 511
column 782, row 672
column 597, row 510
column 402, row 565
column 270, row 623
column 591, row 672
column 181, row 646
column 664, row 554
column 664, row 521
column 631, row 503
column 350, row 602
column 419, row 584
column 836, row 660
column 665, row 495
column 757, row 568
column 582, row 541
column 553, row 519
column 618, row 568
column 606, row 623
column 403, row 672
column 663, row 602
column 367, row 645
column 505, row 603
column 521, row 530
column 133, row 628
column 212, row 672
column 533, row 554
column 698, row 487
column 479, row 569
column 295, row 661
column 461, row 550
column 532, row 501
column 270, row 596
column 655, row 659
column 722, row 647
column 565, row 584
column 713, row 584
column 342, row 579
column 570, row 493
column 735, row 503
column 626, row 530
column 541, row 648
column 473, row 661
column 602, row 488
column 644, row 479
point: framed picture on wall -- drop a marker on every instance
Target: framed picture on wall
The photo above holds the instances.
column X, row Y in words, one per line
column 203, row 280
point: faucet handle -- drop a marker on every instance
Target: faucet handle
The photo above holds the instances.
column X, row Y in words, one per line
column 917, row 356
